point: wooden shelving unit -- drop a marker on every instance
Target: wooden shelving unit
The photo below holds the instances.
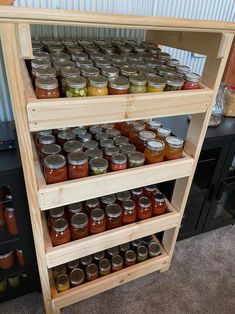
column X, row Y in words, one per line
column 212, row 39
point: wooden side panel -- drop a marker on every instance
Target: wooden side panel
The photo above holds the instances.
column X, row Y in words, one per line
column 25, row 43
column 229, row 73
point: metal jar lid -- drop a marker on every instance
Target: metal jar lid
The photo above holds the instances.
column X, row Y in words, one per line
column 172, row 62
column 113, row 251
column 113, row 210
column 45, row 71
column 146, row 71
column 110, row 71
column 95, row 129
column 147, row 240
column 138, row 126
column 119, row 64
column 46, row 139
column 92, row 269
column 147, row 44
column 104, row 265
column 102, row 63
column 72, row 146
column 94, row 153
column 120, row 139
column 56, row 212
column 139, row 48
column 70, row 71
column 62, row 280
column 164, row 70
column 55, row 161
column 174, row 141
column 86, row 260
column 119, row 83
column 128, row 205
column 164, row 132
column 84, row 63
column 156, row 80
column 85, row 137
column 127, row 70
column 123, row 48
column 108, row 199
column 73, row 264
column 3, row 256
column 76, row 82
column 77, row 276
column 163, row 56
column 79, row 55
column 112, row 132
column 101, row 136
column 90, row 144
column 43, row 55
column 136, row 157
column 154, row 249
column 92, row 203
column 79, row 220
column 75, row 208
column 44, row 132
column 130, row 256
column 155, row 145
column 95, row 56
column 137, row 191
column 182, row 69
column 107, row 143
column 154, row 124
column 37, row 63
column 60, row 56
column 117, row 260
column 154, row 64
column 99, row 256
column 124, row 247
column 127, row 148
column 150, row 188
column 122, row 196
column 100, row 42
column 159, row 197
column 98, row 164
column 85, row 42
column 59, row 64
column 119, row 159
column 97, row 214
column 77, row 158
column 111, row 150
column 9, row 209
column 146, row 136
column 142, row 250
column 144, row 202
column 89, row 71
column 154, row 50
column 74, row 49
column 98, row 81
column 46, row 82
column 174, row 79
column 66, row 135
column 79, row 130
column 138, row 79
column 192, row 77
column 59, row 225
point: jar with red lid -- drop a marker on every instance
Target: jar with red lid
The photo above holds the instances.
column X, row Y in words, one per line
column 118, row 85
column 74, row 208
column 174, row 148
column 107, row 142
column 144, row 209
column 191, row 81
column 163, row 133
column 78, row 166
column 10, row 220
column 54, row 214
column 136, row 194
column 109, row 152
column 65, row 136
column 122, row 196
column 118, row 162
column 46, row 87
column 137, row 127
column 159, row 206
column 60, row 232
column 144, row 137
column 113, row 216
column 6, row 260
column 153, row 125
column 45, row 140
column 128, row 212
column 108, row 199
column 55, row 169
column 20, row 257
column 79, row 226
column 154, row 151
column 91, row 204
column 126, row 128
column 72, row 146
column 97, row 221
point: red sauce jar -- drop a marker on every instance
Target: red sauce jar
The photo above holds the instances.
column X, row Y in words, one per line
column 20, row 257
column 149, row 191
column 91, row 204
column 192, row 81
column 45, row 140
column 128, row 212
column 126, row 128
column 78, row 166
column 46, row 87
column 60, row 232
column 10, row 220
column 118, row 162
column 79, row 226
column 113, row 216
column 6, row 260
column 55, row 169
column 118, row 86
column 122, row 196
column 137, row 127
column 50, row 149
column 159, row 206
column 74, row 209
column 136, row 194
column 144, row 210
column 97, row 221
column 65, row 136
column 54, row 214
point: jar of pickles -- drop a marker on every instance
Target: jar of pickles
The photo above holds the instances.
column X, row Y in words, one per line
column 144, row 137
column 136, row 128
column 46, row 87
column 104, row 267
column 118, row 86
column 117, row 263
column 173, row 82
column 144, row 209
column 163, row 133
column 75, row 87
column 192, row 81
column 114, row 216
column 155, row 83
column 118, row 162
column 135, row 159
column 142, row 253
column 79, row 226
column 129, row 212
column 66, row 73
column 60, row 232
column 92, row 272
column 174, row 148
column 159, row 205
column 98, row 166
column 77, row 165
column 97, row 86
column 97, row 222
column 55, row 169
column 77, row 277
column 154, row 151
column 137, row 84
column 72, row 147
column 130, row 258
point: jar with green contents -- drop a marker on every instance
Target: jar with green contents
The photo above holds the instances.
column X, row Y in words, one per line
column 142, row 253
column 97, row 86
column 14, row 280
column 77, row 277
column 174, row 82
column 156, row 83
column 3, row 284
column 66, row 73
column 137, row 84
column 154, row 249
column 104, row 267
column 75, row 87
column 135, row 159
column 98, row 166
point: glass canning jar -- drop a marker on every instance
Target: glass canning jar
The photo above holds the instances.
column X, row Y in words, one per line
column 110, row 72
column 73, row 264
column 136, row 243
column 108, row 199
column 127, row 70
column 147, row 240
column 99, row 256
column 54, row 214
column 66, row 73
column 79, row 226
column 74, row 209
column 62, row 283
column 112, row 132
column 104, row 267
column 10, row 219
column 91, row 204
column 97, row 86
column 120, row 139
column 135, row 159
column 129, row 212
column 127, row 148
column 65, row 136
column 60, row 232
column 126, row 128
column 153, row 63
column 55, row 169
column 144, row 209
column 122, row 196
column 94, row 129
column 79, row 131
column 50, row 149
column 164, row 70
column 97, row 221
column 181, row 70
column 172, row 63
column 137, row 84
column 46, row 87
column 45, row 140
column 6, row 260
column 101, row 136
column 90, row 144
column 163, row 56
column 136, row 194
column 89, row 71
column 159, row 205
column 20, row 257
column 113, row 216
column 98, row 166
column 130, row 258
column 118, row 162
column 45, row 72
column 117, row 263
column 144, row 137
column 92, row 272
column 72, row 146
column 102, row 63
column 113, row 251
column 192, row 81
column 163, row 133
column 107, row 142
column 154, row 249
column 84, row 63
column 109, row 152
column 79, row 55
column 136, row 128
column 174, row 148
column 123, row 248
column 153, row 125
column 75, row 87
column 39, row 63
column 94, row 153
column 149, row 191
column 155, row 83
column 173, row 82
column 154, row 151
column 142, row 253
column 77, row 277
column 60, row 269
column 85, row 261
column 77, row 165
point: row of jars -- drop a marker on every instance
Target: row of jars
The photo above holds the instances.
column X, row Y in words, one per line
column 111, row 211
column 8, row 259
column 11, row 281
column 103, row 263
column 76, row 153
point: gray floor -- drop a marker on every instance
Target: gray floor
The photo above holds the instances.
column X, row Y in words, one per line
column 200, row 280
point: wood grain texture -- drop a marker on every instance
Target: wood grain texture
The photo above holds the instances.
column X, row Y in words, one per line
column 25, row 43
column 229, row 73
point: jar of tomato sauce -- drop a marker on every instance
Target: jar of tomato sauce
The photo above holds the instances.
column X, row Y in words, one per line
column 45, row 140
column 108, row 199
column 144, row 209
column 77, row 165
column 163, row 133
column 129, row 212
column 130, row 258
column 137, row 127
column 91, row 204
column 46, row 87
column 97, row 221
column 174, row 148
column 149, row 191
column 126, row 128
column 6, row 260
column 118, row 85
column 154, row 151
column 118, row 162
column 192, row 81
column 60, row 232
column 159, row 206
column 123, row 248
column 72, row 147
column 144, row 137
column 55, row 169
column 136, row 194
column 10, row 220
column 114, row 216
column 65, row 136
column 54, row 214
column 79, row 226
column 74, row 208
column 122, row 196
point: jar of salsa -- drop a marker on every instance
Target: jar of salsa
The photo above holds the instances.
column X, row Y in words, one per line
column 118, row 162
column 55, row 169
column 10, row 220
column 118, row 85
column 109, row 152
column 20, row 257
column 154, row 151
column 117, row 263
column 127, row 148
column 72, row 147
column 99, row 256
column 120, row 140
column 173, row 82
column 135, row 159
column 97, row 221
column 123, row 248
column 137, row 127
column 129, row 212
column 154, row 249
column 74, row 208
column 130, row 258
column 153, row 125
column 79, row 226
column 6, row 260
column 85, row 261
column 92, row 272
column 137, row 84
column 60, row 269
column 142, row 253
column 114, row 216
column 108, row 199
column 39, row 133
column 159, row 206
column 77, row 165
column 156, row 83
column 144, row 137
column 104, row 267
column 192, row 81
column 113, row 251
column 91, row 204
column 122, row 196
column 60, row 232
column 46, row 87
column 149, row 191
column 89, row 144
column 98, row 166
column 126, row 128
column 75, row 87
column 54, row 214
column 144, row 210
column 97, row 86
column 77, row 277
column 174, row 148
column 106, row 143
column 136, row 194
column 65, row 136
column 163, row 133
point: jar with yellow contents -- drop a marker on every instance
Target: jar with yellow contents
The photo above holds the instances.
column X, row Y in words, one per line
column 174, row 148
column 154, row 151
column 156, row 83
column 97, row 86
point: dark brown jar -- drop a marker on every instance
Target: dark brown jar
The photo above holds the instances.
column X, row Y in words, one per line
column 129, row 212
column 85, row 261
column 114, row 216
column 97, row 221
column 78, row 166
column 123, row 248
column 144, row 210
column 77, row 277
column 118, row 86
column 117, row 263
column 79, row 226
column 72, row 147
column 91, row 204
column 65, row 136
column 122, row 196
column 54, row 214
column 55, row 169
column 46, row 87
column 73, row 264
column 104, row 267
column 92, row 272
column 60, row 232
column 74, row 208
column 113, row 251
column 99, row 256
column 130, row 258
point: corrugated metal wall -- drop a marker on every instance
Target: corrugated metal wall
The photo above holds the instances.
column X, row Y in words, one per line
column 223, row 10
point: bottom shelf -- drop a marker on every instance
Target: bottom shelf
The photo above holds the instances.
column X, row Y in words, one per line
column 86, row 290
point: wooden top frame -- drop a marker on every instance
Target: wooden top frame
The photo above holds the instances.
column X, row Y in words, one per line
column 68, row 17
